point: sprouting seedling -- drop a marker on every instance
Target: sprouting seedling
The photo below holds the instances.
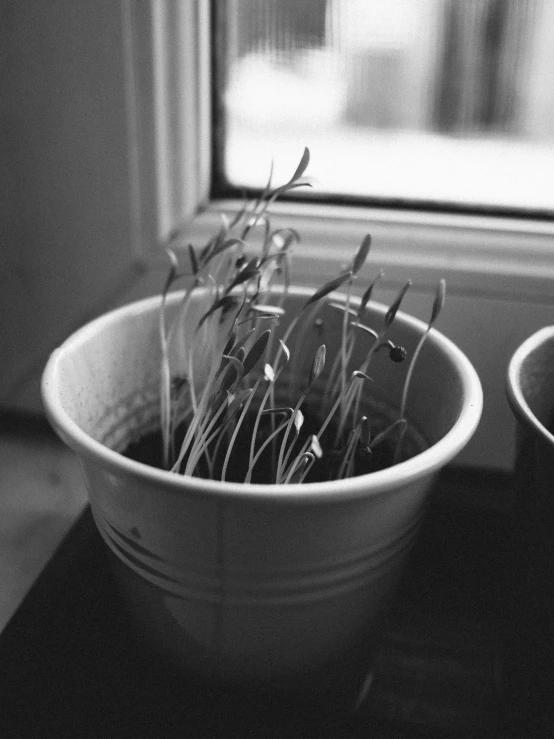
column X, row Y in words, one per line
column 303, row 462
column 237, row 429
column 193, row 259
column 165, row 371
column 361, row 255
column 248, row 272
column 341, row 363
column 366, row 297
column 347, row 464
column 228, row 364
column 357, row 264
column 226, row 303
column 253, row 215
column 196, row 420
column 398, row 425
column 300, row 468
column 256, row 352
column 328, row 288
column 219, row 436
column 223, row 257
column 297, row 179
column 311, row 306
column 287, row 414
column 257, row 312
column 206, row 433
column 316, row 369
column 350, row 405
column 349, row 387
column 316, row 298
column 395, row 305
column 268, row 196
column 317, row 365
column 438, row 302
column 271, row 377
column 359, row 437
column 244, row 368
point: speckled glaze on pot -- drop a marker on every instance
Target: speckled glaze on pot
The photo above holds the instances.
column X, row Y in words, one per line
column 252, row 582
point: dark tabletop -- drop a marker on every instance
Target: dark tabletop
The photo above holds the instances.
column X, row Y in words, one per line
column 450, row 664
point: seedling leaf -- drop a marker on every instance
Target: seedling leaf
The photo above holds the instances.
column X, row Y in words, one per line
column 438, row 302
column 315, row 447
column 317, row 365
column 299, row 468
column 286, row 350
column 366, row 297
column 226, row 303
column 256, row 352
column 264, row 310
column 361, row 255
column 193, row 259
column 330, row 287
column 392, row 311
column 302, row 166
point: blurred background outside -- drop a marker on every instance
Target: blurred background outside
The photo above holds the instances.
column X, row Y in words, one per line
column 419, row 100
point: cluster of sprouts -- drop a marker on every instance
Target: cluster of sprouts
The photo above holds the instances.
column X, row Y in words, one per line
column 221, row 360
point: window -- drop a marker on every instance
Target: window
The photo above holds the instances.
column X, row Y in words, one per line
column 497, row 257
column 428, row 103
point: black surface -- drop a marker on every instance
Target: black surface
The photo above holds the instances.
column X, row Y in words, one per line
column 71, row 668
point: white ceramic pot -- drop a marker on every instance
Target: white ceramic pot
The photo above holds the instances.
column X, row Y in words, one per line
column 530, row 390
column 252, row 582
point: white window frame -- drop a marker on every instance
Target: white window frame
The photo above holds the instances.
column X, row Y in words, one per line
column 500, row 271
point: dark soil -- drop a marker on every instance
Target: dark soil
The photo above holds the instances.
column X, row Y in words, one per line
column 148, row 450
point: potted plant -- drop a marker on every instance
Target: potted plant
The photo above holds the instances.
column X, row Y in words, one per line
column 530, row 390
column 258, row 455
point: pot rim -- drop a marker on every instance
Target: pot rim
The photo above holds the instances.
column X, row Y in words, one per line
column 515, row 395
column 421, row 466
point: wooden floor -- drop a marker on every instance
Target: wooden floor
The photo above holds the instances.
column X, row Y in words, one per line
column 41, row 495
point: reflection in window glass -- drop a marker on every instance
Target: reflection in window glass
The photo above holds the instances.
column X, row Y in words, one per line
column 422, row 100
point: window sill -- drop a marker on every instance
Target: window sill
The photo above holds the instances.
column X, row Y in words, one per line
column 478, row 255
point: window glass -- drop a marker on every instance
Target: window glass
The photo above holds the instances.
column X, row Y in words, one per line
column 418, row 101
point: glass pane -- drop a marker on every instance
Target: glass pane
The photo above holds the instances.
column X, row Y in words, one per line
column 419, row 100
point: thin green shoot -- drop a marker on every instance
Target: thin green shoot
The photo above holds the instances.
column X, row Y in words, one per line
column 438, row 302
column 237, row 428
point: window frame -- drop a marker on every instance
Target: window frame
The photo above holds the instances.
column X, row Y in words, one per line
column 167, row 48
column 485, row 258
column 171, row 153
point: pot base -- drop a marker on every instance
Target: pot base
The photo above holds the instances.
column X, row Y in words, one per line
column 336, row 684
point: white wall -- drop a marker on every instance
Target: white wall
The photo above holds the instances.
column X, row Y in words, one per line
column 65, row 225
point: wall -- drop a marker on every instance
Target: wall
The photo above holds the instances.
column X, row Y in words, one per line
column 65, row 226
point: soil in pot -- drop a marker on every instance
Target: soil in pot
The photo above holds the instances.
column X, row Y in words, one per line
column 148, row 450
